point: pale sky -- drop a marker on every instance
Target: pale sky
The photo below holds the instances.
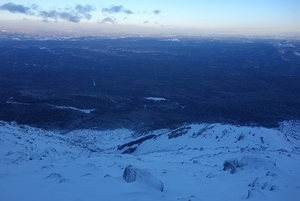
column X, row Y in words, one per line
column 189, row 17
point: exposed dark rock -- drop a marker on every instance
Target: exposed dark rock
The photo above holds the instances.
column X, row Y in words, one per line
column 134, row 143
column 107, row 176
column 86, row 175
column 241, row 137
column 231, row 165
column 254, row 183
column 271, row 174
column 273, row 188
column 130, row 150
column 201, row 131
column 54, row 177
column 179, row 132
column 35, row 156
column 63, row 180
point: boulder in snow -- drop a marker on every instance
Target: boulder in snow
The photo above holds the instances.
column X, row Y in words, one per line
column 248, row 161
column 133, row 174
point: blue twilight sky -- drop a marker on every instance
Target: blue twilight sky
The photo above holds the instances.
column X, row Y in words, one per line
column 189, row 17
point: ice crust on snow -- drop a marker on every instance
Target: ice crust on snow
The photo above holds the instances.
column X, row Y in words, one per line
column 36, row 164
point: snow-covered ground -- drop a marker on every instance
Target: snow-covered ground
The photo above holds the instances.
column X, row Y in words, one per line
column 194, row 162
column 87, row 111
column 155, row 98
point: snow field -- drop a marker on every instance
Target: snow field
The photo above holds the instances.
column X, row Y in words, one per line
column 87, row 165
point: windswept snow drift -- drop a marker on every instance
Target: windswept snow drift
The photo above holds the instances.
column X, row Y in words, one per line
column 195, row 162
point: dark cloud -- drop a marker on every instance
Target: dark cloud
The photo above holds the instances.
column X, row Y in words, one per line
column 49, row 14
column 128, row 12
column 64, row 15
column 108, row 20
column 116, row 9
column 85, row 10
column 156, row 12
column 75, row 14
column 145, row 22
column 71, row 17
column 16, row 8
column 113, row 9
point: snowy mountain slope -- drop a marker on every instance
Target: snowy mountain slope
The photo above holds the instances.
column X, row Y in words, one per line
column 194, row 162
